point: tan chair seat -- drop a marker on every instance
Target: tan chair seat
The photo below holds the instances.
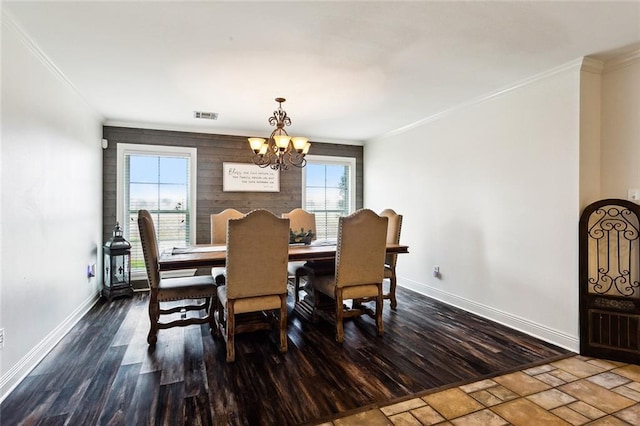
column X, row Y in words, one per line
column 327, row 285
column 185, row 287
column 250, row 304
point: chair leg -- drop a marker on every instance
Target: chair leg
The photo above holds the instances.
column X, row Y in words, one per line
column 379, row 305
column 230, row 331
column 296, row 287
column 221, row 319
column 212, row 315
column 339, row 316
column 392, row 291
column 357, row 304
column 154, row 317
column 283, row 323
column 316, row 306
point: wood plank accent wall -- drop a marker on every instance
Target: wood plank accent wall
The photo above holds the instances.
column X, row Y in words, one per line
column 213, row 150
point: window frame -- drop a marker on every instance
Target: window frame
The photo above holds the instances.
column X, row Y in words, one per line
column 349, row 162
column 124, row 149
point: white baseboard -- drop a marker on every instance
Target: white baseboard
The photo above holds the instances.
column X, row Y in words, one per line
column 18, row 372
column 524, row 325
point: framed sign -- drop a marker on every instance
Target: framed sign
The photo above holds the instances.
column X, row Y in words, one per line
column 245, row 177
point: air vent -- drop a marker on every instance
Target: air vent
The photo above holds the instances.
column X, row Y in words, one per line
column 205, row 115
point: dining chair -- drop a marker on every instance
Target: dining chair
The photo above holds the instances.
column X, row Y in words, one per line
column 219, row 236
column 256, row 282
column 299, row 220
column 393, row 237
column 358, row 272
column 189, row 290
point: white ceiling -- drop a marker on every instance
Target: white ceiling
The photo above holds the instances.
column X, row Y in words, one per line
column 350, row 71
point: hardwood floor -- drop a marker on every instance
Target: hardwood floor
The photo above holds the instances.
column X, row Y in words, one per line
column 103, row 371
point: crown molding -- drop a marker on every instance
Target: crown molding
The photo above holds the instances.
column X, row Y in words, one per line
column 9, row 22
column 592, row 65
column 212, row 131
column 622, row 61
column 574, row 65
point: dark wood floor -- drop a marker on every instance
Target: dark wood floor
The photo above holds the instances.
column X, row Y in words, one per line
column 102, row 372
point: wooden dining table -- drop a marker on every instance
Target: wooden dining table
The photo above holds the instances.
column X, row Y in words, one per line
column 215, row 255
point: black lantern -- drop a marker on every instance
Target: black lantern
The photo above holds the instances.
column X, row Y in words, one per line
column 117, row 266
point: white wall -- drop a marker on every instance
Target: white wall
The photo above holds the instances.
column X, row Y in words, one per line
column 490, row 193
column 590, row 131
column 51, row 206
column 621, row 126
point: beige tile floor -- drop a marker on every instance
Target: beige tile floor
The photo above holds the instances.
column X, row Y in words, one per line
column 572, row 391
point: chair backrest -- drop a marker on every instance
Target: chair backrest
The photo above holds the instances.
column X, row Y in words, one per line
column 300, row 219
column 361, row 248
column 393, row 233
column 219, row 225
column 257, row 255
column 149, row 247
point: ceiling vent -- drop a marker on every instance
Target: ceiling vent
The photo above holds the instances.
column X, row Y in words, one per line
column 205, row 115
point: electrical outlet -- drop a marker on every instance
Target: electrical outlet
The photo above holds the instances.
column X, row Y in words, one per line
column 91, row 270
column 634, row 195
column 1, row 338
column 436, row 271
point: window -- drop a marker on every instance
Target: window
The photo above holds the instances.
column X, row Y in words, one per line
column 328, row 190
column 160, row 179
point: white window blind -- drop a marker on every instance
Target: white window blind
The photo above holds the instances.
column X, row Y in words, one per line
column 160, row 180
column 329, row 191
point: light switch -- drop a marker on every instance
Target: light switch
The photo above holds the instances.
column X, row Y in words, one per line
column 634, row 195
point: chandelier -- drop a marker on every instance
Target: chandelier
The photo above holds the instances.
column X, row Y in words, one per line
column 280, row 150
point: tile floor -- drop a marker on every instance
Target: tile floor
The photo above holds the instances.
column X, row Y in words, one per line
column 573, row 391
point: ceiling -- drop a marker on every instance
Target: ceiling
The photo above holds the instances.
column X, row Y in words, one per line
column 350, row 71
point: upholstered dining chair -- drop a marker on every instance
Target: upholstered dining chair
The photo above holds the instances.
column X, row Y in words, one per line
column 299, row 219
column 393, row 237
column 256, row 282
column 219, row 236
column 192, row 289
column 359, row 270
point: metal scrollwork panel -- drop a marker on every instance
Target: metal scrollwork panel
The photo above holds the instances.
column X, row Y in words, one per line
column 614, row 239
column 621, row 305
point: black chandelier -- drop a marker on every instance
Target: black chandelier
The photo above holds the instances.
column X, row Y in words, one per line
column 280, row 150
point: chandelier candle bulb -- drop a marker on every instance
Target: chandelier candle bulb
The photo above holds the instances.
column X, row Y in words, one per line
column 256, row 144
column 299, row 143
column 282, row 141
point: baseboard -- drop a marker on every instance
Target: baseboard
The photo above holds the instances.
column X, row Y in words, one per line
column 524, row 325
column 18, row 372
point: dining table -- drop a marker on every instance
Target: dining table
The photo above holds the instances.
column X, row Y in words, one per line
column 215, row 255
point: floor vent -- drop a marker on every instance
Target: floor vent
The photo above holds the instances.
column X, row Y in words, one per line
column 205, row 115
